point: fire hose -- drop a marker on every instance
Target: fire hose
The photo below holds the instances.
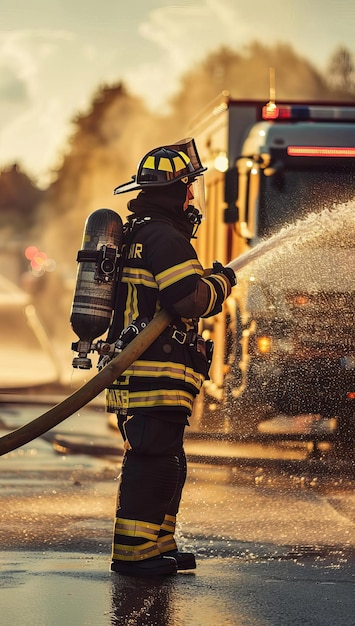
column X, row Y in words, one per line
column 107, row 374
column 90, row 390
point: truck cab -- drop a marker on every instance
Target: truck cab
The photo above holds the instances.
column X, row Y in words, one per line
column 286, row 170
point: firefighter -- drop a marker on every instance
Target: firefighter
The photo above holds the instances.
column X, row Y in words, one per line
column 153, row 399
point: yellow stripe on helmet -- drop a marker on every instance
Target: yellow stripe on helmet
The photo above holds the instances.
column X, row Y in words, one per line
column 149, row 163
column 165, row 165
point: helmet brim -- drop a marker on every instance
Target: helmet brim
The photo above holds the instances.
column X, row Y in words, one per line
column 127, row 187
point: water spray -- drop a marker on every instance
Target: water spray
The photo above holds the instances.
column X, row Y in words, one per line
column 302, row 232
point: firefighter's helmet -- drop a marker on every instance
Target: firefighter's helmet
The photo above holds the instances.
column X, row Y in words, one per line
column 166, row 165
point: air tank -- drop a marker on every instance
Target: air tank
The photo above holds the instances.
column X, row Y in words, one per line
column 96, row 280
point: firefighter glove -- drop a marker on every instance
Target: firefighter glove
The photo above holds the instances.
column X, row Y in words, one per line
column 218, row 268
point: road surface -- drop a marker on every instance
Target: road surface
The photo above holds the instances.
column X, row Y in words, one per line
column 274, row 547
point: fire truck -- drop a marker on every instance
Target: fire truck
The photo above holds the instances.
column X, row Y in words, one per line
column 281, row 347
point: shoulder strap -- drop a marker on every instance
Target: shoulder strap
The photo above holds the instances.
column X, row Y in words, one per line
column 129, row 230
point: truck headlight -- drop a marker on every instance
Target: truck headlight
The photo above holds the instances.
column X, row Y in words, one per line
column 264, row 344
column 271, row 345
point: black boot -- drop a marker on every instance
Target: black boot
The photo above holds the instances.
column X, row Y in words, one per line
column 157, row 566
column 184, row 560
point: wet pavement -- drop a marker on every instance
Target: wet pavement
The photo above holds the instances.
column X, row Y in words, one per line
column 274, row 544
column 55, row 588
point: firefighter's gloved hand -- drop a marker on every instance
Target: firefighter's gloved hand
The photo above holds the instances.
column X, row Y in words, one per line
column 218, row 268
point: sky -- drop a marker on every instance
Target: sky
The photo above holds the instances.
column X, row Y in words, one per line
column 55, row 54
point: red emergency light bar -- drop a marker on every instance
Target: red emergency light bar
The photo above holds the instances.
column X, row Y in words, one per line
column 320, row 151
column 272, row 111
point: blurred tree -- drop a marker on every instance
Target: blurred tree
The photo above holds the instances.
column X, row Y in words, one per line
column 19, row 210
column 341, row 70
column 19, row 200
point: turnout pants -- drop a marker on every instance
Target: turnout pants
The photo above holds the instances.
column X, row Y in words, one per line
column 152, row 478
